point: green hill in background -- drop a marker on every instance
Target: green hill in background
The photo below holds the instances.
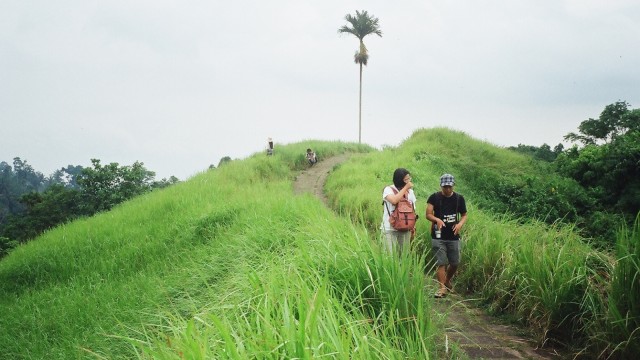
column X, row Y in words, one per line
column 230, row 264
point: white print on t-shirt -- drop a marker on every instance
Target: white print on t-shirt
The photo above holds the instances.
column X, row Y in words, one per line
column 449, row 218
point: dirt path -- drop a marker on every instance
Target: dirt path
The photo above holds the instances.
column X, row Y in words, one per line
column 480, row 336
column 312, row 179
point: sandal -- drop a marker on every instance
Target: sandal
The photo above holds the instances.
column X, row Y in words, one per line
column 449, row 287
column 440, row 294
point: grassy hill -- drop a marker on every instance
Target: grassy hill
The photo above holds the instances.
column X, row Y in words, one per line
column 544, row 276
column 231, row 264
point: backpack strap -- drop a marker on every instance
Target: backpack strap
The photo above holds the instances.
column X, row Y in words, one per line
column 395, row 191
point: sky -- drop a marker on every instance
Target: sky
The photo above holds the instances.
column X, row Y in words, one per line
column 178, row 85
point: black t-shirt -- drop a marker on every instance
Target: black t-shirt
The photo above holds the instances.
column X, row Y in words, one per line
column 447, row 209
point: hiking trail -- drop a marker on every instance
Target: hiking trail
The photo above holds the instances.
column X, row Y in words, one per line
column 477, row 334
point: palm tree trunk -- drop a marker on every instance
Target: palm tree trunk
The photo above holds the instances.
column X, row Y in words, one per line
column 360, row 109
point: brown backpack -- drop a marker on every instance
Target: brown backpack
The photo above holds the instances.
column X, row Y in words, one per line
column 403, row 218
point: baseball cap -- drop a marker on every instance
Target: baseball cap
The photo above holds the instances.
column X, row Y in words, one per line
column 447, row 180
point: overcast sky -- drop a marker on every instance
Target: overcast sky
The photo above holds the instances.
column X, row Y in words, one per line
column 178, row 85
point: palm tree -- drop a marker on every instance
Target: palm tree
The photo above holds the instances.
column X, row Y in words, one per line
column 361, row 25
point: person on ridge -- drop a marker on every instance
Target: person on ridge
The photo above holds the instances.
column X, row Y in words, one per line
column 443, row 208
column 311, row 157
column 391, row 195
column 270, row 146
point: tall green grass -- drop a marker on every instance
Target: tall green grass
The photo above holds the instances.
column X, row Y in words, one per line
column 545, row 276
column 614, row 329
column 229, row 264
column 329, row 293
column 535, row 272
column 68, row 291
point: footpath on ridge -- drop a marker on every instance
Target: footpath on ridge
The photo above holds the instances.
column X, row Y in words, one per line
column 477, row 334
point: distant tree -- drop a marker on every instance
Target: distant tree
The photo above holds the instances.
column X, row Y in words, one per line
column 27, row 176
column 558, row 149
column 106, row 186
column 165, row 182
column 44, row 210
column 10, row 192
column 543, row 152
column 135, row 180
column 361, row 25
column 224, row 160
column 16, row 180
column 66, row 176
column 615, row 120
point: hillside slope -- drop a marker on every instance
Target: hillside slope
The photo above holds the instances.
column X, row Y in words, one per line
column 521, row 254
column 230, row 257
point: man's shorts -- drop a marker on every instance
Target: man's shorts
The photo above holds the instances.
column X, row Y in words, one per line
column 446, row 251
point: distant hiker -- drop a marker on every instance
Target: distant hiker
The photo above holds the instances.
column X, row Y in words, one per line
column 443, row 208
column 311, row 157
column 392, row 195
column 270, row 147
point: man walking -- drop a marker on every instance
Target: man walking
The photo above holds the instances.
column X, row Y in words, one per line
column 443, row 208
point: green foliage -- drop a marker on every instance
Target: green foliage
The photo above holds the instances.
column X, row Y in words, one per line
column 15, row 181
column 615, row 120
column 608, row 172
column 108, row 185
column 27, row 208
column 362, row 24
column 44, row 210
column 24, row 175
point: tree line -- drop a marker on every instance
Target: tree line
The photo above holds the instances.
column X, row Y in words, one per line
column 31, row 203
column 604, row 162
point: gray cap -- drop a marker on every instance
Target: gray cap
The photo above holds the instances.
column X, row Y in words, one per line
column 447, row 180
